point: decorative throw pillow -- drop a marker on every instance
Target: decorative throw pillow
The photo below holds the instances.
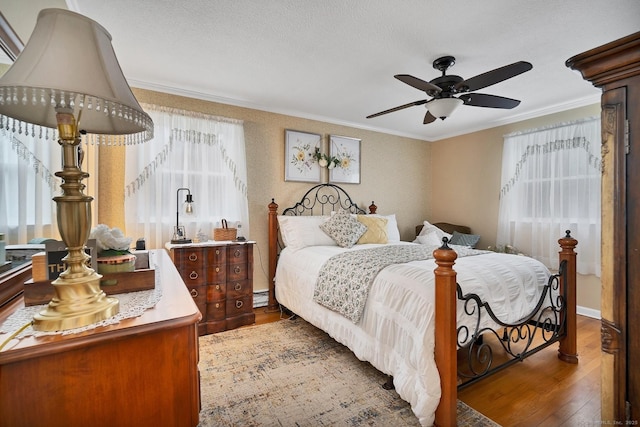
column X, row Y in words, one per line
column 431, row 238
column 376, row 229
column 344, row 229
column 461, row 239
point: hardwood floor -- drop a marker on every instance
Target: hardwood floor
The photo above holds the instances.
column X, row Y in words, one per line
column 542, row 390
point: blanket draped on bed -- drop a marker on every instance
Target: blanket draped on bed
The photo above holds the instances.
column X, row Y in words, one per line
column 345, row 279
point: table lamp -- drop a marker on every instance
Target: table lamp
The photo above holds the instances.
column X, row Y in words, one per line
column 68, row 78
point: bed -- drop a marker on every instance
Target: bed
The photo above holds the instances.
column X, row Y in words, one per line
column 414, row 317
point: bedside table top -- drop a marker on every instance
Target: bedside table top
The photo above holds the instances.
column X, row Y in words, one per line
column 208, row 243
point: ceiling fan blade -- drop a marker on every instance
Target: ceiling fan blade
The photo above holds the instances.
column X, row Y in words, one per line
column 494, row 76
column 491, row 101
column 401, row 107
column 418, row 83
column 428, row 118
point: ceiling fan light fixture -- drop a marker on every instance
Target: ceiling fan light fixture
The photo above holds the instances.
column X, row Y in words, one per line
column 443, row 107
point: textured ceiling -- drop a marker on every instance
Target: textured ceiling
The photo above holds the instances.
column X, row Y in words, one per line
column 334, row 60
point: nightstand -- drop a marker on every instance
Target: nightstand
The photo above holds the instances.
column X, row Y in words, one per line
column 219, row 276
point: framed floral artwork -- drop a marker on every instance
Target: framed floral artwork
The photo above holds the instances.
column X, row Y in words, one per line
column 300, row 158
column 345, row 159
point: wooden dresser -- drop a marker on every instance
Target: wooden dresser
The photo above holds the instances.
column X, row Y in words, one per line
column 219, row 276
column 142, row 371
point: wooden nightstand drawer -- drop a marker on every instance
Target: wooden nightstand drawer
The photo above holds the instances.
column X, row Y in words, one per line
column 216, row 273
column 237, row 272
column 217, row 310
column 189, row 258
column 217, row 255
column 237, row 254
column 216, row 292
column 238, row 306
column 239, row 289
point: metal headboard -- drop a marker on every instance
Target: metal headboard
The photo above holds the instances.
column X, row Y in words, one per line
column 323, row 199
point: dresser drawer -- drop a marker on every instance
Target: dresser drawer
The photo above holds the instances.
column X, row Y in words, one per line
column 217, row 310
column 239, row 289
column 194, row 277
column 238, row 306
column 199, row 295
column 216, row 273
column 237, row 254
column 189, row 258
column 237, row 272
column 216, row 292
column 217, row 255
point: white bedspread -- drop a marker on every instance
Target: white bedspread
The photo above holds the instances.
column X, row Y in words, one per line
column 396, row 332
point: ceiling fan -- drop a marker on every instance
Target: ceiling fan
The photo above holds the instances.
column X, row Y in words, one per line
column 442, row 89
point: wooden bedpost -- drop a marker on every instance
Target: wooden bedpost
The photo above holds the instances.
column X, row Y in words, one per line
column 373, row 208
column 568, row 351
column 273, row 254
column 445, row 334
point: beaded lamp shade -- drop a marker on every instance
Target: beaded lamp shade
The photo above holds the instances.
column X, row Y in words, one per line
column 69, row 63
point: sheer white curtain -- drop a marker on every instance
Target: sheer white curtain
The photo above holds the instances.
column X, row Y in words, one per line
column 29, row 157
column 27, row 185
column 551, row 183
column 203, row 153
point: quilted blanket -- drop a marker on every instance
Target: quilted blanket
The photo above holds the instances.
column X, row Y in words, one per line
column 345, row 279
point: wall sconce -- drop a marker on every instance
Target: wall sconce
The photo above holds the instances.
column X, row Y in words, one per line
column 68, row 78
column 179, row 235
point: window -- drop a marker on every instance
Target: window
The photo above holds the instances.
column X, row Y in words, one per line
column 551, row 183
column 203, row 153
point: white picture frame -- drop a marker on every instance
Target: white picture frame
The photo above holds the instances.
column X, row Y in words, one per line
column 346, row 151
column 300, row 163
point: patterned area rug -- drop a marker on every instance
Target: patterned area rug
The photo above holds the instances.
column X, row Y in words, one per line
column 289, row 373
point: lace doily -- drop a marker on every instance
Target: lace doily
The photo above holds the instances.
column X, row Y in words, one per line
column 132, row 304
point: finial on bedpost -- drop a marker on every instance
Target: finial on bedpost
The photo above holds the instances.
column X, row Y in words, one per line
column 568, row 351
column 445, row 330
column 372, row 208
column 273, row 254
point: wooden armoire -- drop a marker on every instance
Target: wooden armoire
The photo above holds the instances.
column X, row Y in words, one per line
column 615, row 68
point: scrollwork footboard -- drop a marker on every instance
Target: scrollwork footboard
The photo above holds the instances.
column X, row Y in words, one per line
column 545, row 325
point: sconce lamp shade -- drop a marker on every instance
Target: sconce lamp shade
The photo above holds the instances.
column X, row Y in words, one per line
column 443, row 107
column 69, row 63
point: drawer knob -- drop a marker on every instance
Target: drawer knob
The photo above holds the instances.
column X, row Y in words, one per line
column 194, row 293
column 217, row 305
column 237, row 269
column 217, row 251
column 193, row 257
column 238, row 286
column 239, row 304
column 217, row 269
column 237, row 253
column 193, row 275
column 217, row 287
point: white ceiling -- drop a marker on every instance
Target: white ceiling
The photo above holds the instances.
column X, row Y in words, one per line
column 334, row 60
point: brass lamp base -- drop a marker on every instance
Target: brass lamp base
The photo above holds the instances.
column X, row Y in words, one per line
column 78, row 302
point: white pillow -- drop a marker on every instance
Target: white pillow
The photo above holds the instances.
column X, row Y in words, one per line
column 427, row 228
column 301, row 231
column 431, row 238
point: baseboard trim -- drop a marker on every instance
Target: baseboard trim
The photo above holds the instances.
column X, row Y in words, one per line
column 588, row 312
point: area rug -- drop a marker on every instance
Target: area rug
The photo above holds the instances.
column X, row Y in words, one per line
column 289, row 373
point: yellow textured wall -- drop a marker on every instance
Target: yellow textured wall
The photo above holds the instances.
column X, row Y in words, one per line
column 395, row 171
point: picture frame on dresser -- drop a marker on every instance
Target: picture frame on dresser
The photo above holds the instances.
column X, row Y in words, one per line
column 346, row 151
column 300, row 163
